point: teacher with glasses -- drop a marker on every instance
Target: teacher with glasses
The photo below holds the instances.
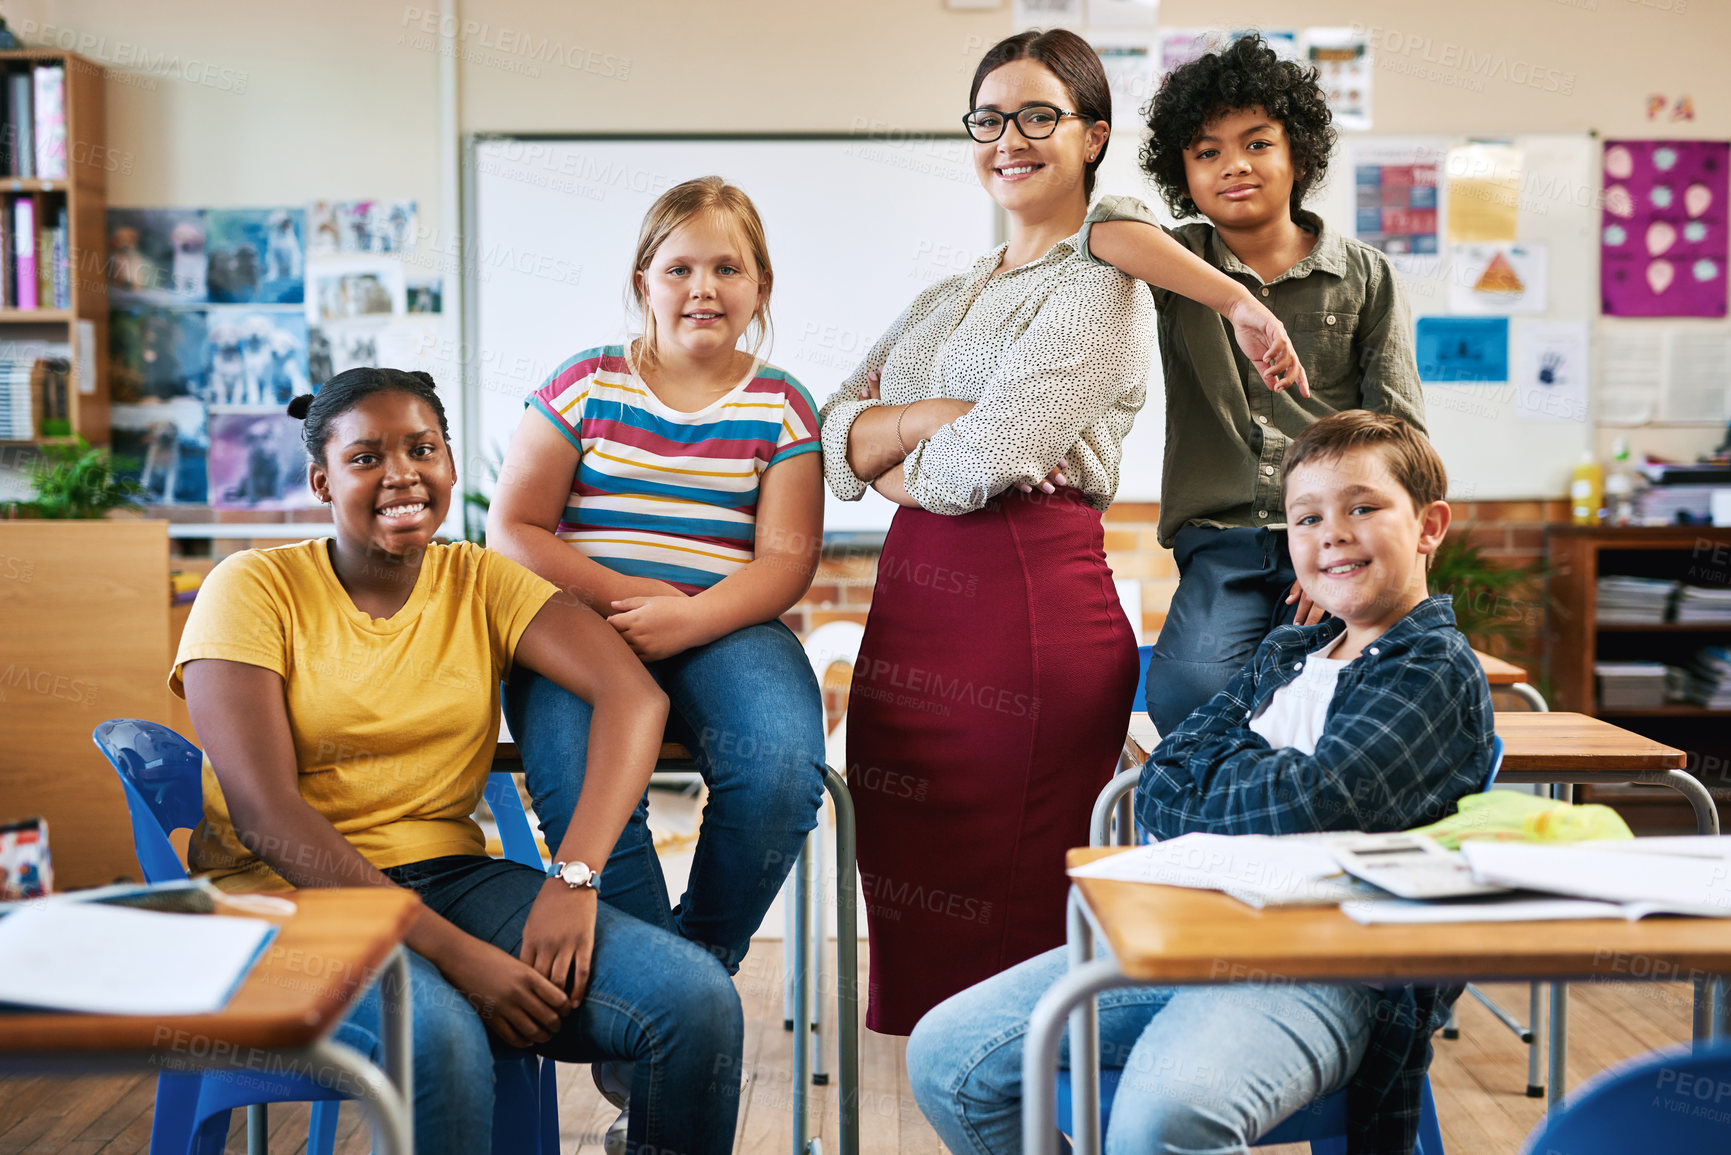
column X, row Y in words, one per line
column 994, row 683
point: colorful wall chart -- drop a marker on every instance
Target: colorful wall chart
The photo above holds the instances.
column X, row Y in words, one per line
column 1663, row 237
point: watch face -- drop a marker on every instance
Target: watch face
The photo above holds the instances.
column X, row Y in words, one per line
column 576, row 874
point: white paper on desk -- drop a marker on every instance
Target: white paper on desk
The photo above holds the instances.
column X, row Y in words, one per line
column 1683, row 845
column 1402, row 912
column 1651, row 883
column 114, row 960
column 1258, row 869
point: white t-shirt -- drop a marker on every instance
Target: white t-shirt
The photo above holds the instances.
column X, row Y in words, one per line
column 1294, row 715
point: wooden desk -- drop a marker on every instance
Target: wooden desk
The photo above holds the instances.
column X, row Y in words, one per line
column 1571, row 749
column 323, row 959
column 1164, row 934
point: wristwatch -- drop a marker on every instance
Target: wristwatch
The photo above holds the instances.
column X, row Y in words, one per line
column 576, row 875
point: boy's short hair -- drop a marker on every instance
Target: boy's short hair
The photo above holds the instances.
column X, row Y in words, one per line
column 1246, row 74
column 1410, row 456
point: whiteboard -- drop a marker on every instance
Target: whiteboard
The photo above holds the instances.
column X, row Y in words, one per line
column 857, row 226
column 1491, row 453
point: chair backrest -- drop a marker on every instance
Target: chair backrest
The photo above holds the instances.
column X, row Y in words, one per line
column 1140, row 701
column 830, row 643
column 1496, row 761
column 161, row 773
column 515, row 835
column 1672, row 1101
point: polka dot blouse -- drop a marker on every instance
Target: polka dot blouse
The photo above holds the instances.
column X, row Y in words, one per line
column 1054, row 355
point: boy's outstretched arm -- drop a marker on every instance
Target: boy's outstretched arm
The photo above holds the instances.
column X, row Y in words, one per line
column 1144, row 251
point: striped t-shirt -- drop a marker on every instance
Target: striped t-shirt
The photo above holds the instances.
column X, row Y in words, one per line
column 664, row 494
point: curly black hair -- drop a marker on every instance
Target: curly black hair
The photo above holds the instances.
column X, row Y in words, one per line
column 348, row 389
column 1247, row 74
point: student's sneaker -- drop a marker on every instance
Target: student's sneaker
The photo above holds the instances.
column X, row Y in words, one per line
column 613, row 1080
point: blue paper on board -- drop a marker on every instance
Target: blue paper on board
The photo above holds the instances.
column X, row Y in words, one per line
column 1452, row 350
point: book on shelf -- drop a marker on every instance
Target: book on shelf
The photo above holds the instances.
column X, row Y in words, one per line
column 20, row 125
column 1625, row 600
column 24, row 250
column 48, row 118
column 35, row 390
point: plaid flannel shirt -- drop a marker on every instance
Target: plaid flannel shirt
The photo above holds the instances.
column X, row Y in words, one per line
column 1408, row 732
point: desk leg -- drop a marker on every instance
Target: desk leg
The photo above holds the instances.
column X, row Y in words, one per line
column 795, row 955
column 1040, row 1052
column 1558, row 1051
column 1085, row 1135
column 390, row 1113
column 395, row 1016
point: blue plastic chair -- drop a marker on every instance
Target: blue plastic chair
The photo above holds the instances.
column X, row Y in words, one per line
column 161, row 773
column 1669, row 1101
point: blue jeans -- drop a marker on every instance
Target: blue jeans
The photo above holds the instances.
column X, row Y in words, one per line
column 748, row 708
column 653, row 999
column 1232, row 587
column 1206, row 1069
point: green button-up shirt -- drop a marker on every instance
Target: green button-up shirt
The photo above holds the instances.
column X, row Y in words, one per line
column 1226, row 432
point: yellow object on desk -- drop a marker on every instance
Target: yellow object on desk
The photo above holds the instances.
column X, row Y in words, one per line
column 1510, row 817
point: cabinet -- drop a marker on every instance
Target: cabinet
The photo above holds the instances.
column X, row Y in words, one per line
column 84, row 195
column 1574, row 639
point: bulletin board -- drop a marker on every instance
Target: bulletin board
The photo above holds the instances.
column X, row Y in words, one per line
column 1499, row 439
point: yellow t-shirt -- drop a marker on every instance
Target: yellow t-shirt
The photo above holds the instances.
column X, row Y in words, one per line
column 394, row 720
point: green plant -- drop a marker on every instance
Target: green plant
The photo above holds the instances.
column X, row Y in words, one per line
column 476, row 503
column 75, row 480
column 1492, row 601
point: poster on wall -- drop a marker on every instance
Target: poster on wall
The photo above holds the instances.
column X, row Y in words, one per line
column 1498, row 279
column 1130, row 74
column 1046, row 13
column 257, row 357
column 156, row 256
column 257, row 460
column 1549, row 371
column 1462, row 350
column 1663, row 239
column 1396, row 188
column 257, row 256
column 1484, row 193
column 1341, row 57
column 162, row 445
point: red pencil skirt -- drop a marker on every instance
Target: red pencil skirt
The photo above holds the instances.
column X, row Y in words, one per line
column 988, row 708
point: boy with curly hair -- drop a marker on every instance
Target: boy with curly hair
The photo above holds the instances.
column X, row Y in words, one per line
column 1241, row 137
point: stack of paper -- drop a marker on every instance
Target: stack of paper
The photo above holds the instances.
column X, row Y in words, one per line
column 1257, row 869
column 1644, row 879
column 1707, row 680
column 1634, row 600
column 1703, row 604
column 17, row 406
column 1631, row 685
column 90, row 956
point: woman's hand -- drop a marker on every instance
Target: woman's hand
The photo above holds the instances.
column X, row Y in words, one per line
column 1052, row 481
column 515, row 1001
column 1264, row 340
column 559, row 936
column 869, row 391
column 656, row 627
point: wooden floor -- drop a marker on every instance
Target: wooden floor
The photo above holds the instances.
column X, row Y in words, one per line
column 1479, row 1081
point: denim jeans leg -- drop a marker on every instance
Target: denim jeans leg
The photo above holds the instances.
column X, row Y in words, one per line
column 551, row 726
column 1219, row 1066
column 1232, row 589
column 964, row 1058
column 750, row 709
column 453, row 1061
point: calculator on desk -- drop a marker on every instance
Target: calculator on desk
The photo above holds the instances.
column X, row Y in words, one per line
column 1408, row 865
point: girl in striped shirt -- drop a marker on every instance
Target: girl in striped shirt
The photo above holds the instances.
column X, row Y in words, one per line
column 674, row 485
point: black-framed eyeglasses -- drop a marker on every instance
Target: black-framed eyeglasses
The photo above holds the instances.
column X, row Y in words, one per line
column 1034, row 121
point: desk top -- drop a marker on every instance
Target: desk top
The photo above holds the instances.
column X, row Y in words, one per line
column 1499, row 672
column 319, row 963
column 1172, row 934
column 1575, row 742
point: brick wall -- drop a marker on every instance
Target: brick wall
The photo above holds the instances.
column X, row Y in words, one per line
column 1507, row 531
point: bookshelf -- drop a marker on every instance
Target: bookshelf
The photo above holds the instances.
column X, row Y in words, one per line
column 83, row 195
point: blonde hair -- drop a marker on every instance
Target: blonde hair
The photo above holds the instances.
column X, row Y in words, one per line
column 674, row 209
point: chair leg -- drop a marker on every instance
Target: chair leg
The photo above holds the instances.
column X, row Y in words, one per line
column 322, row 1134
column 171, row 1123
column 819, row 957
column 257, row 1130
column 1536, row 1048
column 789, row 921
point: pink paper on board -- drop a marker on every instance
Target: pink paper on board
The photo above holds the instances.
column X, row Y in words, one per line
column 1663, row 238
